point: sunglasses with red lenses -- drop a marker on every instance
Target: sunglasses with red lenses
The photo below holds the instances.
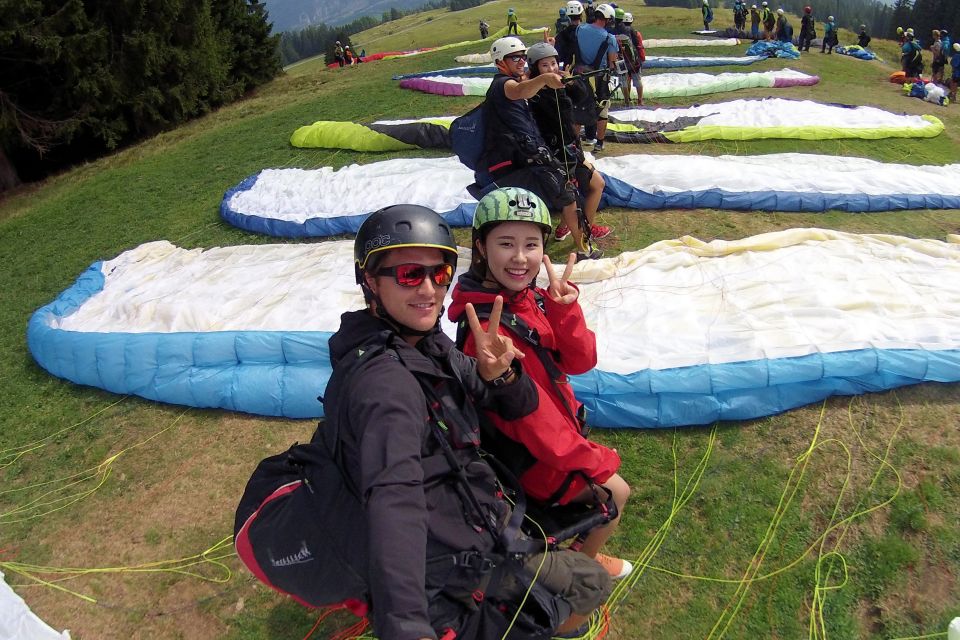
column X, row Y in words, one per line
column 413, row 274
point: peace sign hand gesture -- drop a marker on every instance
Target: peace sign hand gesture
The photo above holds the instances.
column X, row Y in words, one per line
column 560, row 289
column 494, row 351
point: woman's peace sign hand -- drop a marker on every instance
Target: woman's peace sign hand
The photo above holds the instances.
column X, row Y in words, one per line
column 560, row 289
column 494, row 351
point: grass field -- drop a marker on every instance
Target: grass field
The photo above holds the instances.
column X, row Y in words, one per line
column 837, row 520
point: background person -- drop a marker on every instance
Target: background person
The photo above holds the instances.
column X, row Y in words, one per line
column 552, row 111
column 597, row 49
column 707, row 14
column 808, row 29
column 830, row 37
column 955, row 65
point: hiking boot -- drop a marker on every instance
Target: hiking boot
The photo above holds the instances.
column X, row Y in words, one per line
column 598, row 147
column 616, row 567
column 598, row 231
column 596, row 254
column 562, row 232
column 589, row 142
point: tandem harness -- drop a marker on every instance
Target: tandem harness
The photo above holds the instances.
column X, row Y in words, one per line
column 285, row 536
column 605, row 510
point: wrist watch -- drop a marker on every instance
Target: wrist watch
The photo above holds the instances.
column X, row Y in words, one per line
column 505, row 378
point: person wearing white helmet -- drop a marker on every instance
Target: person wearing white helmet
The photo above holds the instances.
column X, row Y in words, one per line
column 912, row 58
column 769, row 20
column 707, row 12
column 830, row 36
column 515, row 153
column 635, row 68
column 754, row 22
column 566, row 40
column 596, row 49
column 338, row 53
column 784, row 30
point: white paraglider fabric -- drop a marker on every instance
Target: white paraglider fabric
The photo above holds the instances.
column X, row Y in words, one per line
column 688, row 331
column 18, row 622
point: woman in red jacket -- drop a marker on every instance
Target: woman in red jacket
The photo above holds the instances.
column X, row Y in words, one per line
column 510, row 228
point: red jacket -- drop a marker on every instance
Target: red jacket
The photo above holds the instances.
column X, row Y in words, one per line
column 551, row 434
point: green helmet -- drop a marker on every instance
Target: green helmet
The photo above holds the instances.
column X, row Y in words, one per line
column 619, row 13
column 512, row 204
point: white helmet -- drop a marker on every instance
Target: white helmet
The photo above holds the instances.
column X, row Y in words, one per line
column 506, row 46
column 956, row 47
column 628, row 17
column 606, row 11
column 753, row 6
column 829, row 18
column 780, row 12
column 764, row 3
column 574, row 8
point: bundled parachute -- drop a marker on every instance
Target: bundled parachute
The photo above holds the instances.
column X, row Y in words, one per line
column 688, row 332
column 774, row 49
column 856, row 51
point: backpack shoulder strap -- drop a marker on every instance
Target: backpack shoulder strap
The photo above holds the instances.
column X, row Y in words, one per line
column 531, row 336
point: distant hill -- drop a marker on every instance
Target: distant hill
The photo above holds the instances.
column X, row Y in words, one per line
column 291, row 15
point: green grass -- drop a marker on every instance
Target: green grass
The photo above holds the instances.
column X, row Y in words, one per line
column 172, row 496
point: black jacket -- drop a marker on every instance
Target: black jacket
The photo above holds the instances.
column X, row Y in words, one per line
column 552, row 109
column 414, row 512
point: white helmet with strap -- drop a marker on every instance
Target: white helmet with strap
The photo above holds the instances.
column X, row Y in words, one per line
column 574, row 8
column 505, row 46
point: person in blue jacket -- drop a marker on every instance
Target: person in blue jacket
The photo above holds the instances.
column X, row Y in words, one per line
column 912, row 58
column 830, row 36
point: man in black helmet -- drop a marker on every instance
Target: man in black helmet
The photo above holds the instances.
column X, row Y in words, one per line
column 401, row 407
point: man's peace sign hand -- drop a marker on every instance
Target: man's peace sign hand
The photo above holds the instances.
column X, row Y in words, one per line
column 560, row 289
column 494, row 351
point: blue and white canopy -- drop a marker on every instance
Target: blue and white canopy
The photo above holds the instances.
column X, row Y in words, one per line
column 324, row 202
column 688, row 332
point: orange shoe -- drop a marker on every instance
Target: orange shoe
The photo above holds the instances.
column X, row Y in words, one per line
column 617, row 567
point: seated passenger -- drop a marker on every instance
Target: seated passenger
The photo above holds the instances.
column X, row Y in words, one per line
column 560, row 466
column 552, row 111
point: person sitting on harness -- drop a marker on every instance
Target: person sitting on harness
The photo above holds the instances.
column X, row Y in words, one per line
column 552, row 111
column 514, row 152
column 560, row 466
column 430, row 538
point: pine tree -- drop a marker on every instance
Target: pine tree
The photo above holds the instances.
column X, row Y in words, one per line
column 81, row 77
